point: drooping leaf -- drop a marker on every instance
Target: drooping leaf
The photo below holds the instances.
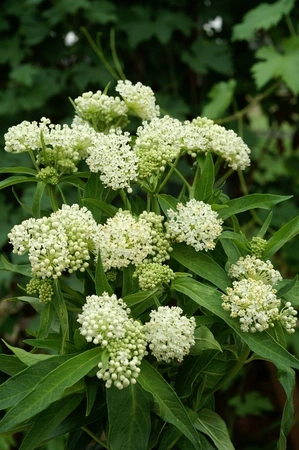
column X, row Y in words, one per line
column 50, row 388
column 263, row 16
column 129, row 418
column 211, row 424
column 286, row 376
column 221, row 96
column 28, row 358
column 24, row 269
column 201, row 264
column 168, row 405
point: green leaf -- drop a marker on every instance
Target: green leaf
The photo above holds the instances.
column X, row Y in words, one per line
column 250, row 403
column 18, row 169
column 11, row 365
column 101, row 282
column 286, row 377
column 263, row 344
column 46, row 319
column 51, row 388
column 251, row 201
column 62, row 313
column 221, row 96
column 211, row 424
column 276, row 64
column 19, row 385
column 139, row 297
column 10, row 181
column 201, row 264
column 283, row 235
column 37, row 198
column 167, row 202
column 204, row 186
column 27, row 358
column 24, row 269
column 204, row 340
column 129, row 418
column 169, row 406
column 110, row 210
column 24, row 74
column 48, row 420
column 52, row 342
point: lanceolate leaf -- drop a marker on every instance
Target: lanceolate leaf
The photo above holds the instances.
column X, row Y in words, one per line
column 204, row 186
column 286, row 377
column 169, row 406
column 263, row 344
column 51, row 388
column 201, row 264
column 283, row 235
column 210, row 423
column 129, row 418
column 252, row 201
column 24, row 269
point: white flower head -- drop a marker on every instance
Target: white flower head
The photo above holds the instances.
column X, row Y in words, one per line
column 102, row 318
column 223, row 142
column 125, row 356
column 196, row 224
column 256, row 269
column 101, row 111
column 138, row 98
column 170, row 334
column 254, row 303
column 22, row 137
column 113, row 157
column 123, row 240
column 158, row 143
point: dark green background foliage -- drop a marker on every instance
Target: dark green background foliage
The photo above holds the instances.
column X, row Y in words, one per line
column 243, row 75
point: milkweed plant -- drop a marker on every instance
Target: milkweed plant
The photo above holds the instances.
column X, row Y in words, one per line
column 151, row 297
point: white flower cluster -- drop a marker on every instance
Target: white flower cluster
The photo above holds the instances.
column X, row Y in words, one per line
column 139, row 98
column 62, row 241
column 105, row 320
column 101, row 110
column 22, row 137
column 123, row 240
column 256, row 269
column 152, row 275
column 196, row 224
column 252, row 298
column 158, row 143
column 170, row 334
column 113, row 157
column 159, row 238
column 223, row 142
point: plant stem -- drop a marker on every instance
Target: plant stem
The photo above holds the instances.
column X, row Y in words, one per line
column 290, row 25
column 114, row 55
column 94, row 437
column 172, row 168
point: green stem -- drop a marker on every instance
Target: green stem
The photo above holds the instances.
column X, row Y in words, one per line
column 33, row 160
column 290, row 25
column 125, row 200
column 62, row 313
column 185, row 182
column 114, row 55
column 52, row 196
column 170, row 172
column 253, row 102
column 224, row 177
column 94, row 437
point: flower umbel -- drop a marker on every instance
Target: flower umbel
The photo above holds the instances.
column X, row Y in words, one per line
column 256, row 269
column 139, row 98
column 195, row 223
column 170, row 334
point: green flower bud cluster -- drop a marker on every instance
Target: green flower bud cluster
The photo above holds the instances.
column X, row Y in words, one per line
column 48, row 175
column 152, row 275
column 258, row 246
column 42, row 287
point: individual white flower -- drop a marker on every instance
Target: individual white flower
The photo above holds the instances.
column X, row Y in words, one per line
column 138, row 98
column 151, row 275
column 113, row 157
column 254, row 303
column 157, row 144
column 101, row 110
column 223, row 142
column 125, row 356
column 170, row 334
column 196, row 224
column 102, row 318
column 123, row 240
column 256, row 269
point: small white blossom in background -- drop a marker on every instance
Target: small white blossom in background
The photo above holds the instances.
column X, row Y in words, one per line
column 102, row 318
column 152, row 275
column 138, row 98
column 158, row 143
column 123, row 240
column 256, row 269
column 257, row 306
column 170, row 334
column 101, row 111
column 196, row 224
column 62, row 241
column 125, row 356
column 224, row 143
column 113, row 157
